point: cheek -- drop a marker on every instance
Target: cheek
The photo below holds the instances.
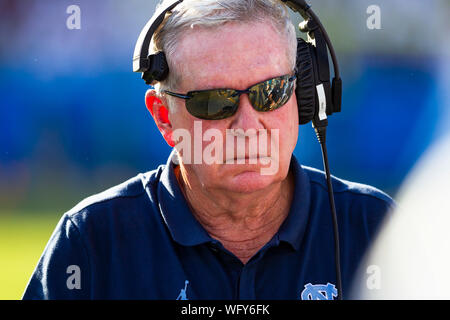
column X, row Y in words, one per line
column 179, row 117
column 193, row 136
column 286, row 121
column 292, row 122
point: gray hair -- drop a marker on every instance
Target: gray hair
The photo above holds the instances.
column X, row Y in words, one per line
column 214, row 13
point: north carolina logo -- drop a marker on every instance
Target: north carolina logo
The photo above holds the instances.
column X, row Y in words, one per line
column 319, row 292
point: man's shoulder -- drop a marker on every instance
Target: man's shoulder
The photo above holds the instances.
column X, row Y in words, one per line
column 127, row 194
column 348, row 188
column 357, row 204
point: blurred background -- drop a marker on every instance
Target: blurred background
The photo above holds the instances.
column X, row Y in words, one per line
column 73, row 120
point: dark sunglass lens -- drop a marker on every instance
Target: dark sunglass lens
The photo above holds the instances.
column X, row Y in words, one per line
column 271, row 94
column 212, row 104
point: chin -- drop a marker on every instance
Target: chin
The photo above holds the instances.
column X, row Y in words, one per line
column 248, row 178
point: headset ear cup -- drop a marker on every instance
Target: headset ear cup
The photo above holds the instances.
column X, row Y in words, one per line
column 305, row 89
column 158, row 68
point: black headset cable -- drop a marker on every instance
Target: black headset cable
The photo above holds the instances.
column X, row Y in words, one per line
column 321, row 133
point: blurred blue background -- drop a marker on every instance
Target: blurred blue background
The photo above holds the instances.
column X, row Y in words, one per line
column 73, row 120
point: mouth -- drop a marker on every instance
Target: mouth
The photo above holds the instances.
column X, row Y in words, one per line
column 249, row 159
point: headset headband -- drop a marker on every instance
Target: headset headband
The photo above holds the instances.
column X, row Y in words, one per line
column 141, row 60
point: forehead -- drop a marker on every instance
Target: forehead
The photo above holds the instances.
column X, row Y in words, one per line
column 233, row 55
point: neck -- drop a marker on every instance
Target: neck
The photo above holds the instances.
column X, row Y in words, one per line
column 241, row 222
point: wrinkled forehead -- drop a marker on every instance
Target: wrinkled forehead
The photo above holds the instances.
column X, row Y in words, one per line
column 231, row 55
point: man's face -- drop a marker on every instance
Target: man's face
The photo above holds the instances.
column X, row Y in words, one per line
column 236, row 56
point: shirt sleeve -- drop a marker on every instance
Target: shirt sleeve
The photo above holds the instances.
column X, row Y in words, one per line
column 63, row 269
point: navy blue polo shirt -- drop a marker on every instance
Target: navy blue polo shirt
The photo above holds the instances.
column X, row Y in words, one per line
column 139, row 240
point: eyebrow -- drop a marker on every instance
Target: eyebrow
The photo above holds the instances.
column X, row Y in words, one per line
column 188, row 95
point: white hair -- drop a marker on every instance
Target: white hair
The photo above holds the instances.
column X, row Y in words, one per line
column 214, row 13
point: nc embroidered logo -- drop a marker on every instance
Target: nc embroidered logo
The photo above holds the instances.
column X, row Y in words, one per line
column 319, row 292
column 182, row 295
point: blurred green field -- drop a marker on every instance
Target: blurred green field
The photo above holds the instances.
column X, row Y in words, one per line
column 22, row 239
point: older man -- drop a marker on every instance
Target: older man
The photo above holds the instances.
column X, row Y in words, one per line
column 224, row 228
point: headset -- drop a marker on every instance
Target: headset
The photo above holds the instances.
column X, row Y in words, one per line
column 317, row 98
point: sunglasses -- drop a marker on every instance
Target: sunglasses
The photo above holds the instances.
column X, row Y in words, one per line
column 218, row 104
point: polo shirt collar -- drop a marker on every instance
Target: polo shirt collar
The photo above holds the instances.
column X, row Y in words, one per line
column 186, row 230
column 183, row 226
column 293, row 228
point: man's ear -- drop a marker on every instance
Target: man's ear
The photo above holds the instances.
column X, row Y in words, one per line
column 160, row 113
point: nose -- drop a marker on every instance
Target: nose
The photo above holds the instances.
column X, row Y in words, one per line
column 246, row 116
